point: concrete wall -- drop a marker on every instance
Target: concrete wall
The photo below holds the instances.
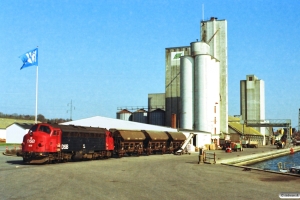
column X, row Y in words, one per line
column 156, row 101
column 172, row 84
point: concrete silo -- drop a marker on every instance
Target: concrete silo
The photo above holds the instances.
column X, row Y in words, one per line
column 199, row 80
column 187, row 91
column 202, row 63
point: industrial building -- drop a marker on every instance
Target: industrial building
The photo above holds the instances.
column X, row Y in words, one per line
column 196, row 82
column 214, row 34
column 252, row 101
column 196, row 89
column 172, row 81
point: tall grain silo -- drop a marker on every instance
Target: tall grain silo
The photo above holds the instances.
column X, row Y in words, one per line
column 213, row 96
column 200, row 111
column 124, row 115
column 186, row 92
column 140, row 116
column 199, row 92
column 202, row 63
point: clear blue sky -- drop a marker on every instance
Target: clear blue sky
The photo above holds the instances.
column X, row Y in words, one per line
column 107, row 54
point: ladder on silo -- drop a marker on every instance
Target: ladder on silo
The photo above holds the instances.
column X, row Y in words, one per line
column 183, row 147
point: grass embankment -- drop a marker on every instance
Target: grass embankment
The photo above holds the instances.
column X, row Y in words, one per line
column 8, row 144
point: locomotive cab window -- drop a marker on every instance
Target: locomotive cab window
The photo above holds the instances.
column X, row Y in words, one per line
column 34, row 128
column 45, row 129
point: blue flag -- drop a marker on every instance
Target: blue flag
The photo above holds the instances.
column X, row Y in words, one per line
column 30, row 58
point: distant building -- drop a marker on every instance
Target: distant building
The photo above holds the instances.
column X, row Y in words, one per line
column 252, row 100
column 6, row 122
column 16, row 131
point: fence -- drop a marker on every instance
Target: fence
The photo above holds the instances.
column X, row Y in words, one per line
column 209, row 157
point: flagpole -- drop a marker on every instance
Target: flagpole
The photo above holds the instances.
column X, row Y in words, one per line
column 36, row 88
column 36, row 92
column 30, row 58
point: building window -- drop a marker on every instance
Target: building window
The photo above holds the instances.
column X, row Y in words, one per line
column 250, row 78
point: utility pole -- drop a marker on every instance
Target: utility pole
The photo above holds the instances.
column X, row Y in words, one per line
column 71, row 108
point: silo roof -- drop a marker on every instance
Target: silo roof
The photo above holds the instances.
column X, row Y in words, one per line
column 124, row 111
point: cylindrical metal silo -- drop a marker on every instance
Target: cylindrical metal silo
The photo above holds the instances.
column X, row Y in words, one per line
column 157, row 117
column 124, row 115
column 186, row 92
column 140, row 116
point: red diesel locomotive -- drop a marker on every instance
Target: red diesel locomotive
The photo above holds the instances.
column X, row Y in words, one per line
column 51, row 143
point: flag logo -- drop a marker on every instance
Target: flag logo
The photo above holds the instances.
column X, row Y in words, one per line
column 30, row 58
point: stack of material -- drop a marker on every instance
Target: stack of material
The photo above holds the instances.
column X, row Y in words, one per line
column 212, row 147
column 206, row 146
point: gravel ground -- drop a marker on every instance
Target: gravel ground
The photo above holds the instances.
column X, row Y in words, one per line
column 144, row 177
